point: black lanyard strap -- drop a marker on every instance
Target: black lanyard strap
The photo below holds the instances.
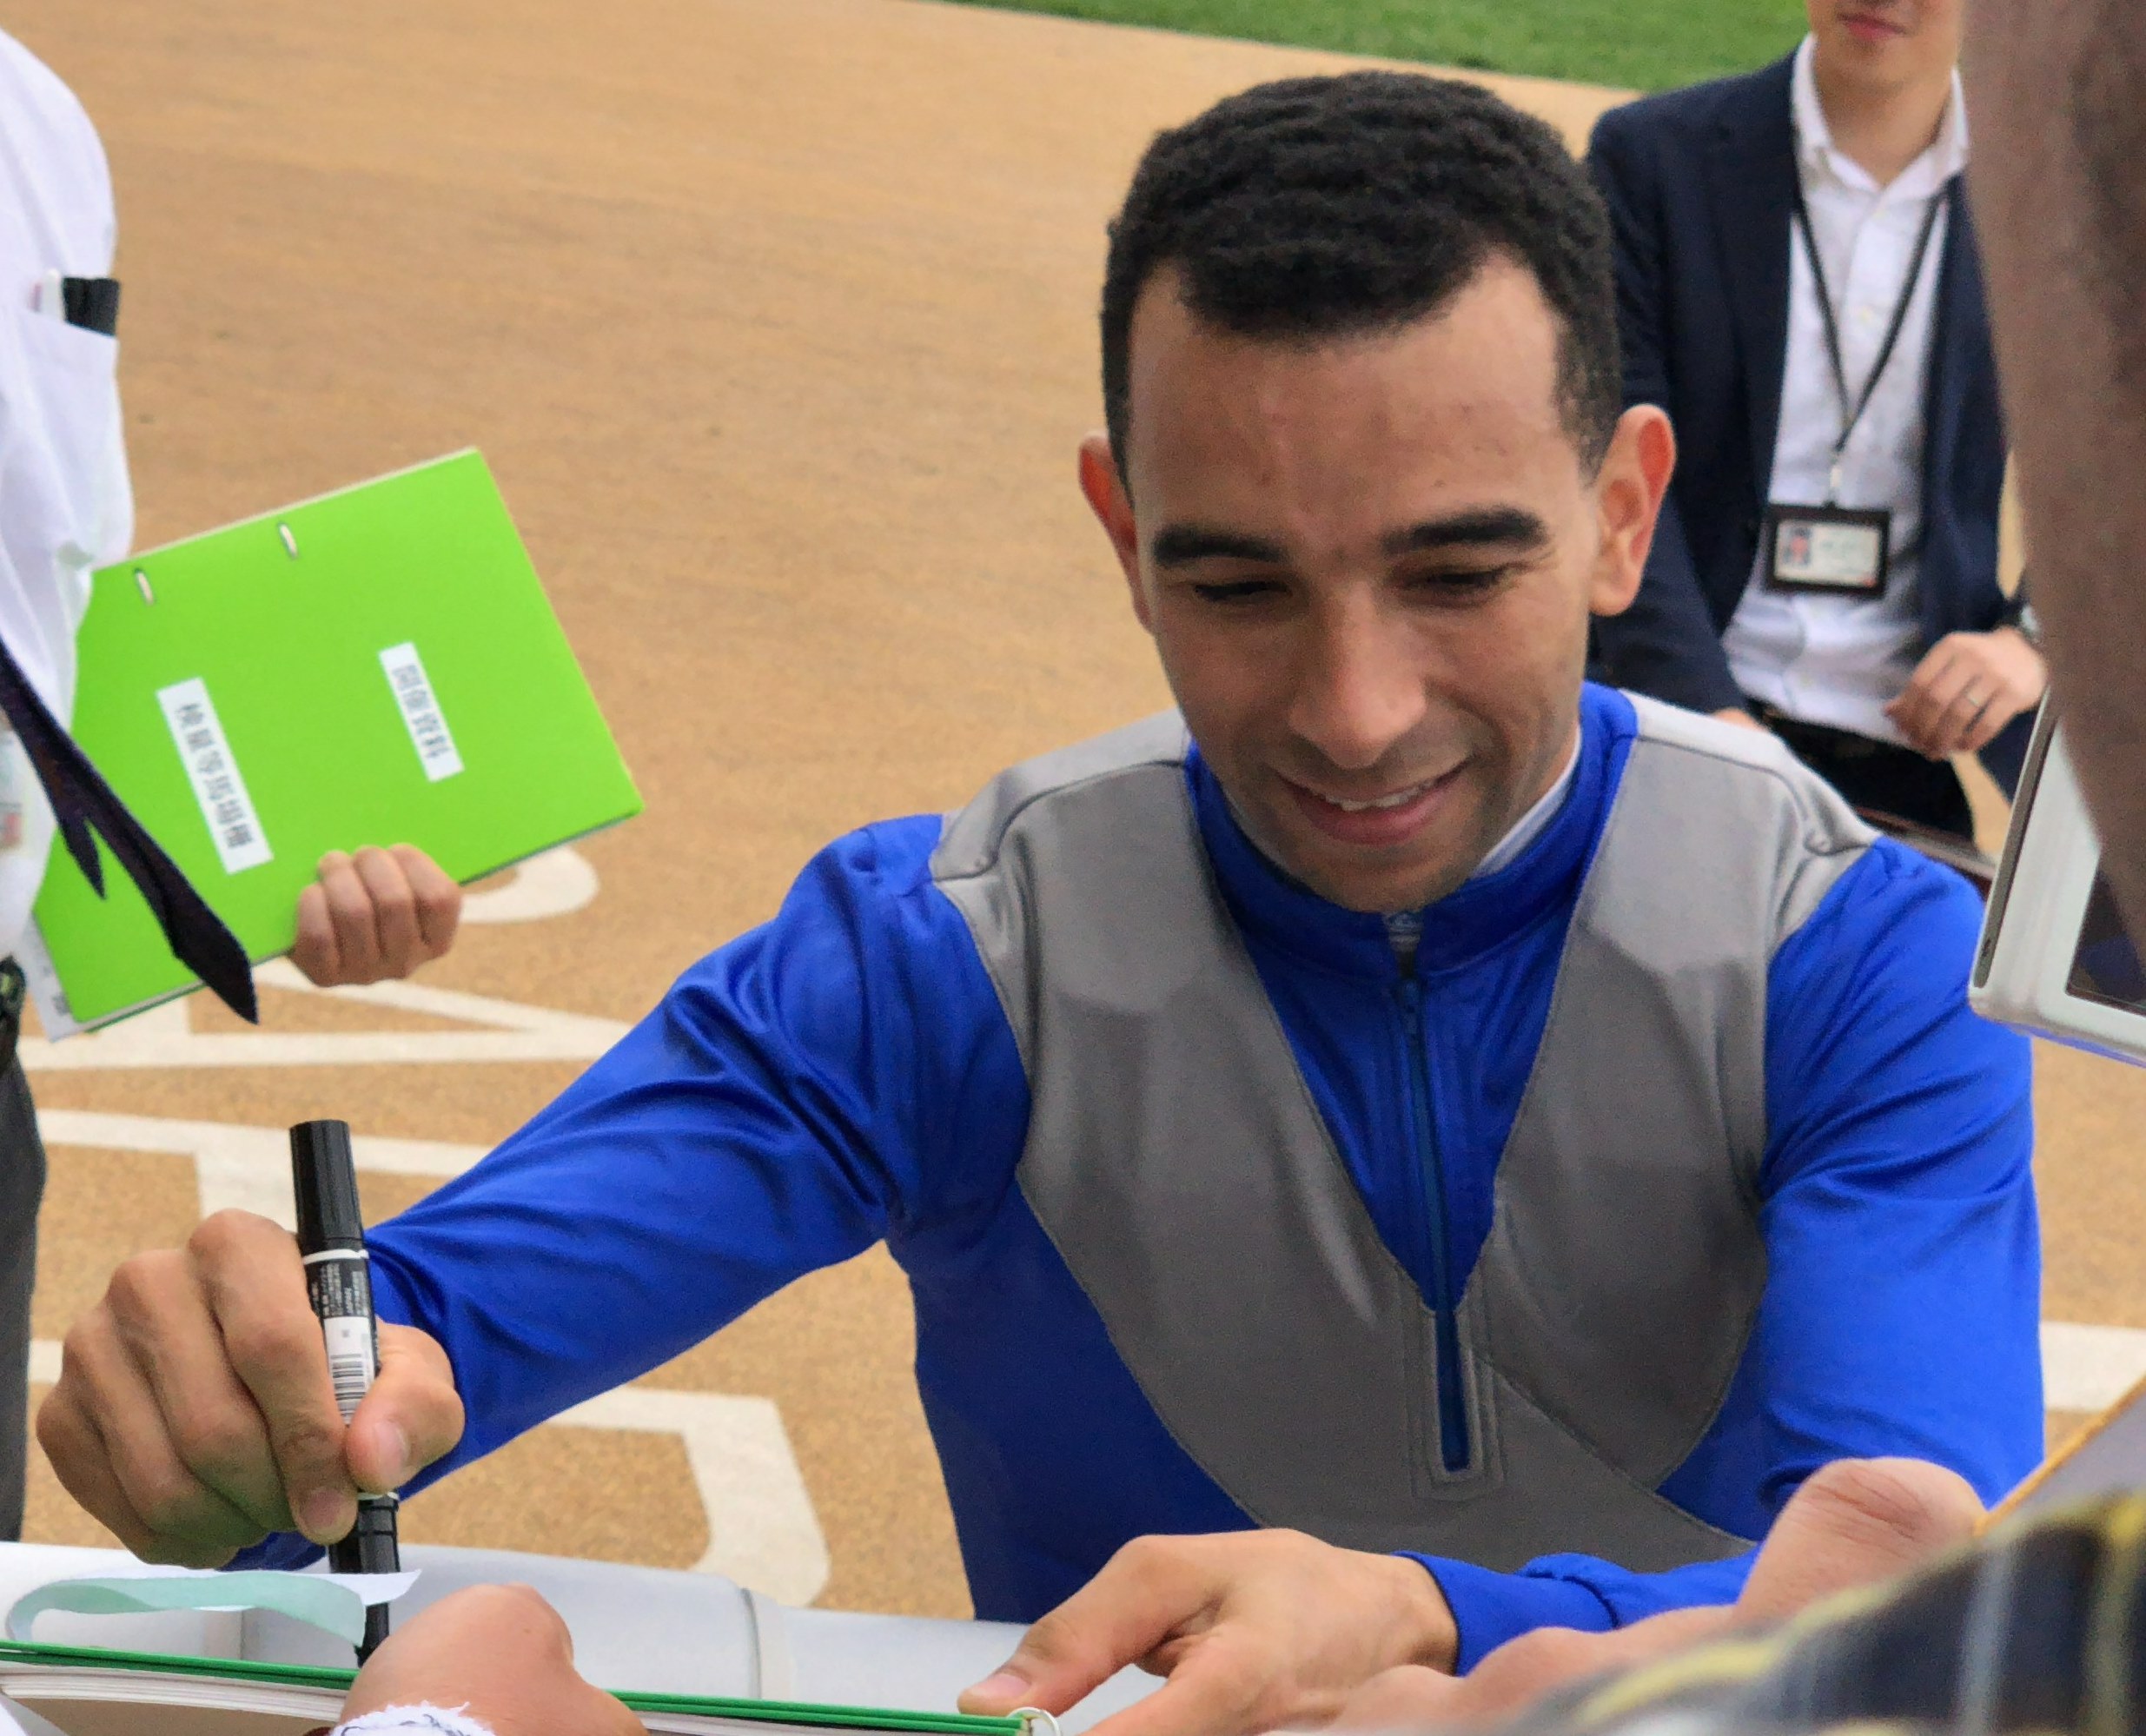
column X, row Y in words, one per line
column 1851, row 408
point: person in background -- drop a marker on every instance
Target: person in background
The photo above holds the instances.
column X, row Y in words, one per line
column 66, row 507
column 1799, row 285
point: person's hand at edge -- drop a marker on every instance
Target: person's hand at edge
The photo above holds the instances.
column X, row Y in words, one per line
column 378, row 914
column 1855, row 1522
column 499, row 1655
column 1966, row 689
column 194, row 1414
column 1253, row 1629
column 1737, row 715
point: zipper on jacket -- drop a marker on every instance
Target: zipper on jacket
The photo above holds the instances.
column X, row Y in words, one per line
column 1453, row 1420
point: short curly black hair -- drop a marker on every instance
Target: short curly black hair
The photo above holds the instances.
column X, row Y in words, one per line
column 1317, row 207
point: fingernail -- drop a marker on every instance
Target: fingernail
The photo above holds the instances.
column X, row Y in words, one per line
column 1004, row 1686
column 323, row 1514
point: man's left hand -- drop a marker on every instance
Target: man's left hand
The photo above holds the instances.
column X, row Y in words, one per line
column 378, row 914
column 1256, row 1630
column 1854, row 1522
column 1967, row 687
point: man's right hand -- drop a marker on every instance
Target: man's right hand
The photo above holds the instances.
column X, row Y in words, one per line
column 194, row 1414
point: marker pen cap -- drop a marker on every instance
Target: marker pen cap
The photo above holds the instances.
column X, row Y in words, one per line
column 326, row 1183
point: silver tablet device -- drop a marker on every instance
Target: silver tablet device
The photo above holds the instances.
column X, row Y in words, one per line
column 2054, row 958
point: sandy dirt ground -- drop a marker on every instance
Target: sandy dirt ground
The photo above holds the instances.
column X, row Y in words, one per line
column 776, row 323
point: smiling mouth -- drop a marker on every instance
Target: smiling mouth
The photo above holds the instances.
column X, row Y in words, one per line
column 1374, row 822
column 1392, row 801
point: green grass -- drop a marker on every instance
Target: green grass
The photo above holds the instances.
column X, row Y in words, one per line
column 1649, row 44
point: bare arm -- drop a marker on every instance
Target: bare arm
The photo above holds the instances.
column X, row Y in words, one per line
column 2057, row 89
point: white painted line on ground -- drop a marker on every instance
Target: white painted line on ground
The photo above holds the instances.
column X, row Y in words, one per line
column 557, row 883
column 244, row 1167
column 762, row 1529
column 2090, row 1368
column 508, row 1030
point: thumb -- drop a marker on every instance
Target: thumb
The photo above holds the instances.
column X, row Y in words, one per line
column 1857, row 1522
column 411, row 1416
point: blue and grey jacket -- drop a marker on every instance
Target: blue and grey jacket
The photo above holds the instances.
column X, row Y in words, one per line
column 1671, row 1166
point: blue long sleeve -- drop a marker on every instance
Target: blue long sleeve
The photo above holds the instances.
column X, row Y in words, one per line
column 1571, row 1591
column 1901, row 1310
column 777, row 1112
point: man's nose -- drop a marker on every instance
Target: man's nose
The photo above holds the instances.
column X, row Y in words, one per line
column 1359, row 691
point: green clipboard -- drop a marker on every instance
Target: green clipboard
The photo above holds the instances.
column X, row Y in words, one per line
column 376, row 665
column 310, row 1691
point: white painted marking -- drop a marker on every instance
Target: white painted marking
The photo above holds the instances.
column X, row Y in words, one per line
column 557, row 883
column 242, row 1167
column 163, row 1037
column 2090, row 1368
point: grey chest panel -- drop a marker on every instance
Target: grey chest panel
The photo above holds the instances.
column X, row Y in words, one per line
column 1179, row 1164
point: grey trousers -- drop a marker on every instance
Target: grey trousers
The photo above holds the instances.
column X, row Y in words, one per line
column 21, row 1186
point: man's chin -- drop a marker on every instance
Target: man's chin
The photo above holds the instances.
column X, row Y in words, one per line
column 1373, row 887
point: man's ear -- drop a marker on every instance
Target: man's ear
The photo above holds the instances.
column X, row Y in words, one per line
column 1113, row 508
column 1628, row 492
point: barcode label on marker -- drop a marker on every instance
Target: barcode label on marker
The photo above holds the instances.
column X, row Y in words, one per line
column 339, row 1282
column 349, row 1361
column 421, row 711
column 226, row 808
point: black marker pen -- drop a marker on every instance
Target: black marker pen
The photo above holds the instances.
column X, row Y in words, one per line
column 331, row 1236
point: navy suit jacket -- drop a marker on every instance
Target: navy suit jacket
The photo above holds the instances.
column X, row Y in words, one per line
column 1701, row 186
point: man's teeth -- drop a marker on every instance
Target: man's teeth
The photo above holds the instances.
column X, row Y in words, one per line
column 1392, row 801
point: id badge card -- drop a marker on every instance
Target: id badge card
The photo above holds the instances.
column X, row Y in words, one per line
column 1827, row 548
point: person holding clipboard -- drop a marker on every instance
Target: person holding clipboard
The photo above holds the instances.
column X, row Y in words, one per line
column 1798, row 287
column 66, row 507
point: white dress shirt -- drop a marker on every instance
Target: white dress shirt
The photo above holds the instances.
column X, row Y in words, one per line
column 1828, row 658
column 65, row 506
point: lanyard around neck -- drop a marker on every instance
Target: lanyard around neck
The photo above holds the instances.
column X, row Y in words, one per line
column 1851, row 407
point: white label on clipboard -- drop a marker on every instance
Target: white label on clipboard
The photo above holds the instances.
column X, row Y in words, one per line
column 226, row 807
column 421, row 711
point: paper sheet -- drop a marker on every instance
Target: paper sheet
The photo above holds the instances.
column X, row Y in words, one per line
column 333, row 1603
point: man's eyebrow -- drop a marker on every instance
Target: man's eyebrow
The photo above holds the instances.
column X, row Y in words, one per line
column 1182, row 544
column 1483, row 525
